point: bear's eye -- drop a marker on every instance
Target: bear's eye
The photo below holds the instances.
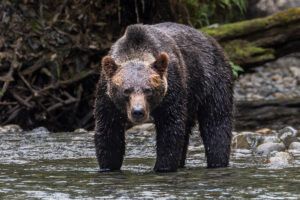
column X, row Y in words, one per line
column 147, row 92
column 128, row 91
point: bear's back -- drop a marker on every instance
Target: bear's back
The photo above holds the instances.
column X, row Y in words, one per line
column 205, row 61
column 199, row 55
column 182, row 34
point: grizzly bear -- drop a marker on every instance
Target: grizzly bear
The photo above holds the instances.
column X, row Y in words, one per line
column 174, row 74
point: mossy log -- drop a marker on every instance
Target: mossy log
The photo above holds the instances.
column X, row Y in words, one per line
column 254, row 42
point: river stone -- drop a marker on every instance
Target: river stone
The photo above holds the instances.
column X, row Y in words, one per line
column 40, row 130
column 295, row 71
column 246, row 140
column 266, row 148
column 271, row 138
column 12, row 128
column 287, row 135
column 295, row 146
column 280, row 160
column 80, row 130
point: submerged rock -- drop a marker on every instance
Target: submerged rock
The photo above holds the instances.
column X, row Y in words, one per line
column 266, row 148
column 12, row 128
column 280, row 160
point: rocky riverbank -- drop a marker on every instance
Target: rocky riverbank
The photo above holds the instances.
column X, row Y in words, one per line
column 269, row 95
column 279, row 79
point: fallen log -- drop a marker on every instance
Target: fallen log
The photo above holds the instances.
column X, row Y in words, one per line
column 273, row 113
column 254, row 42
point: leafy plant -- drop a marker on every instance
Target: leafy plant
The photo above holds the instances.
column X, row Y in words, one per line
column 236, row 69
column 206, row 12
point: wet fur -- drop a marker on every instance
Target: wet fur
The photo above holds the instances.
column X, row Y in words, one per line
column 200, row 87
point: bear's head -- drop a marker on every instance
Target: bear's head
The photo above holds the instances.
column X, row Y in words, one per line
column 136, row 87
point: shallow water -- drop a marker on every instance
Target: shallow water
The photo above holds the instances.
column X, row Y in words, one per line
column 41, row 165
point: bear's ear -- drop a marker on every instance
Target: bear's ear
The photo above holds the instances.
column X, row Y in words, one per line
column 161, row 63
column 109, row 66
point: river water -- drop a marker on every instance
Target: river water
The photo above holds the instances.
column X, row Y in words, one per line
column 42, row 165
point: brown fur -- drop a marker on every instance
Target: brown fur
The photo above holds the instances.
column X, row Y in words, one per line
column 109, row 66
column 161, row 63
column 155, row 80
column 117, row 79
column 175, row 74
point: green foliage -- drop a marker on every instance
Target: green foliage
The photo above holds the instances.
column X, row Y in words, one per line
column 236, row 69
column 206, row 12
column 241, row 51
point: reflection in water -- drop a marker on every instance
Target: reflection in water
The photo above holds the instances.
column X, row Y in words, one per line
column 63, row 166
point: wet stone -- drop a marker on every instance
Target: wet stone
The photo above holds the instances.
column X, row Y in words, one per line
column 280, row 160
column 287, row 135
column 266, row 148
column 295, row 146
column 295, row 71
column 272, row 139
column 40, row 130
column 12, row 128
column 246, row 140
column 80, row 130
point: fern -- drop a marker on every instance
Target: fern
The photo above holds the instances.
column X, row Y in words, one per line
column 206, row 12
column 236, row 69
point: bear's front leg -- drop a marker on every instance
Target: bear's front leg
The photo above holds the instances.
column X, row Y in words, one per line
column 109, row 138
column 170, row 130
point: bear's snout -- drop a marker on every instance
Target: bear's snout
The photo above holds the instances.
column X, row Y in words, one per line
column 138, row 109
column 138, row 112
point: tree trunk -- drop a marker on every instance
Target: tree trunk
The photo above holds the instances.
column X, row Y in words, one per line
column 257, row 41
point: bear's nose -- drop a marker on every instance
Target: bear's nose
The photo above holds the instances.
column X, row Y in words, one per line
column 138, row 112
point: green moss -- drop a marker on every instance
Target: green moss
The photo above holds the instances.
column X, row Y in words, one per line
column 228, row 31
column 244, row 52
